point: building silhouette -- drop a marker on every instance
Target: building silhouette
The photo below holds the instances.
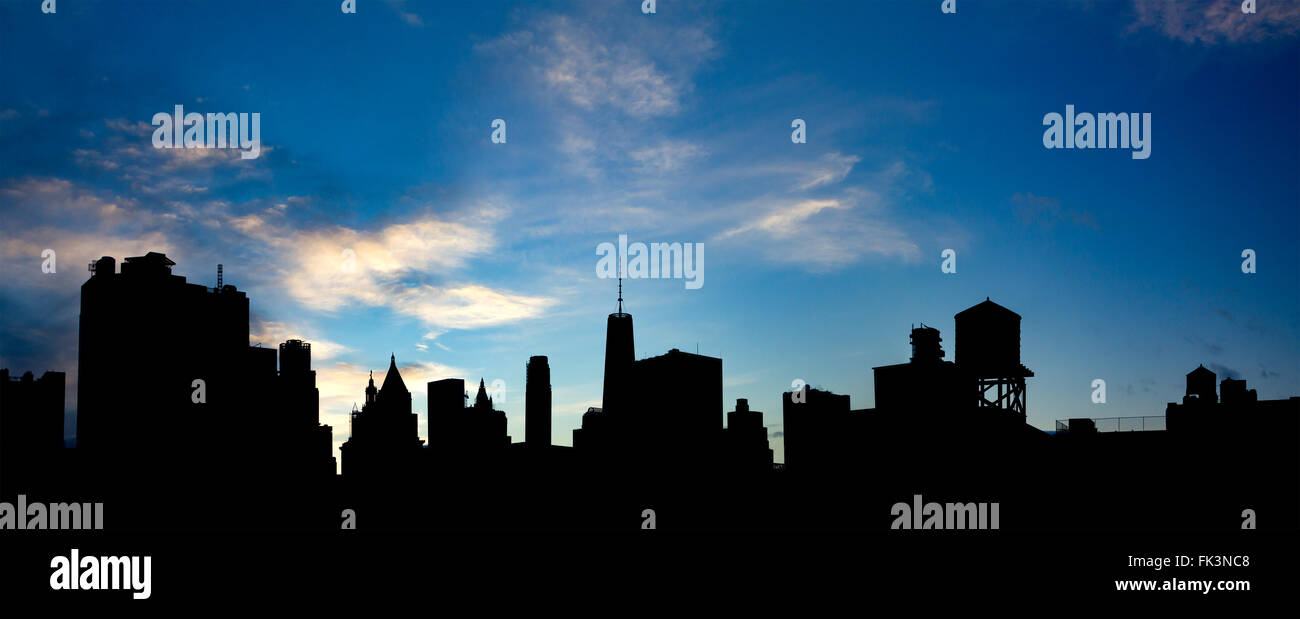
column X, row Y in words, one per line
column 146, row 336
column 445, row 417
column 675, row 415
column 161, row 361
column 31, row 426
column 600, row 425
column 385, row 435
column 296, row 427
column 31, row 411
column 485, row 426
column 818, row 427
column 745, row 441
column 619, row 356
column 1233, row 408
column 159, row 358
column 925, row 381
column 537, row 403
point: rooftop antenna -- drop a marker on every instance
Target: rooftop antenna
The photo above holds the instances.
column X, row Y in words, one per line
column 620, row 294
column 218, row 277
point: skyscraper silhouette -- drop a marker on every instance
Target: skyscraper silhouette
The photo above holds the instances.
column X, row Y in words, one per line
column 298, row 414
column 446, row 399
column 675, row 411
column 537, row 403
column 147, row 323
column 619, row 355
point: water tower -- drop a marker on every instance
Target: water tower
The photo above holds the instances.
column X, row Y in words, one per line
column 988, row 351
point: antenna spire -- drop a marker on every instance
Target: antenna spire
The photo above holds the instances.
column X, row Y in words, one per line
column 620, row 294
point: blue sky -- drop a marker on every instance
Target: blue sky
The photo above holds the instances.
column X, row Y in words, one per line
column 924, row 133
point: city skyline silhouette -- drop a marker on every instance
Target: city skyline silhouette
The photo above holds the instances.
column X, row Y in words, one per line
column 822, row 247
column 656, row 301
column 952, row 428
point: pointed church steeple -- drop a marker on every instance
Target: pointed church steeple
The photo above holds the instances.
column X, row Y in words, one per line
column 482, row 400
column 394, row 378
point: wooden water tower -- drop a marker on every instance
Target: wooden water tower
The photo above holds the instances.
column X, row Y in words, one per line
column 988, row 351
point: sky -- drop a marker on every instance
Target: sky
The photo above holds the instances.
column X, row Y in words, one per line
column 923, row 133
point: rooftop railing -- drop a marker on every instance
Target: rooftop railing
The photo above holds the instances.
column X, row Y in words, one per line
column 1150, row 423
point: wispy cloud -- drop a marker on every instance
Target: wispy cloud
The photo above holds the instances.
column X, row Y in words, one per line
column 125, row 151
column 1217, row 21
column 667, row 156
column 829, row 232
column 596, row 68
column 832, row 168
column 412, row 19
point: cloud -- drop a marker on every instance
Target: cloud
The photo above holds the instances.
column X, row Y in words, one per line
column 784, row 221
column 126, row 152
column 79, row 224
column 668, row 156
column 1217, row 21
column 55, row 199
column 337, row 267
column 410, row 18
column 831, row 169
column 592, row 68
column 1224, row 371
column 1209, row 347
column 467, row 306
column 823, row 234
column 271, row 334
column 828, row 232
column 416, row 268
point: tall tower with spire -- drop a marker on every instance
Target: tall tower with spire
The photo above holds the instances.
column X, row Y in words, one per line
column 619, row 355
